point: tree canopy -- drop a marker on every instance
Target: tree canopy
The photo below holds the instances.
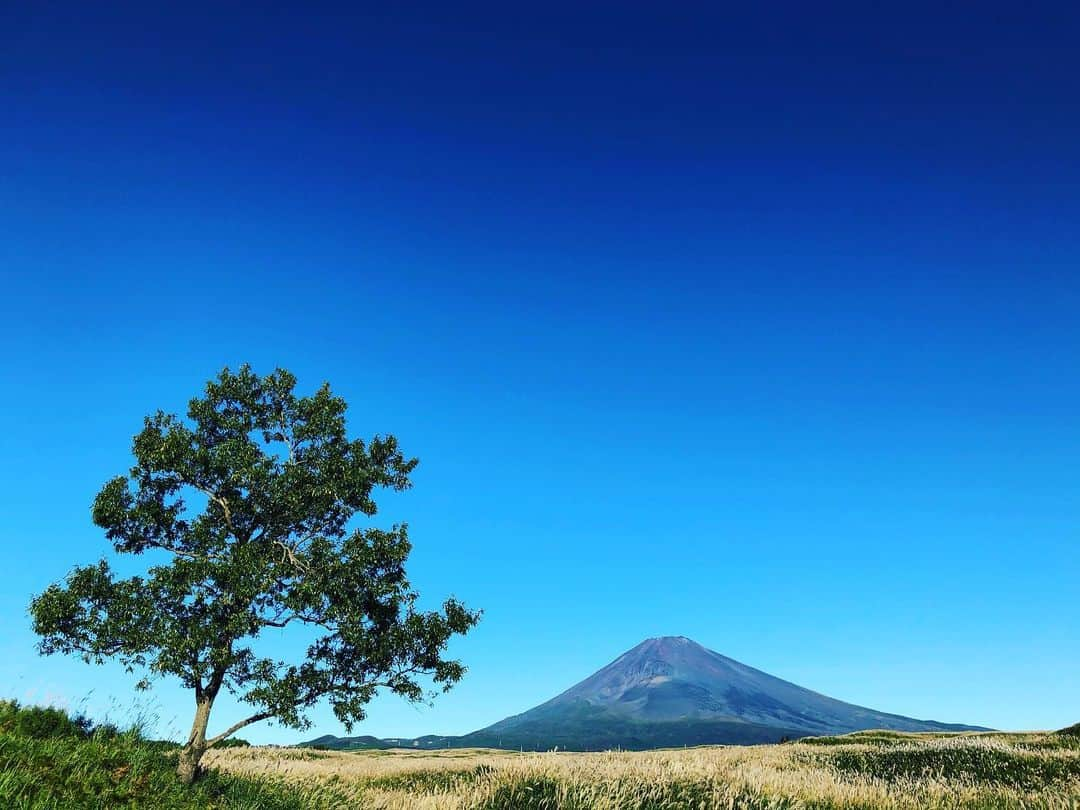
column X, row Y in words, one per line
column 249, row 506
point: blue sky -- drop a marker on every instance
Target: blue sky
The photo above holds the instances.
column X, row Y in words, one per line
column 756, row 327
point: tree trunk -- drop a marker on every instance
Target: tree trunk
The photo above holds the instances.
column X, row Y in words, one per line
column 187, row 768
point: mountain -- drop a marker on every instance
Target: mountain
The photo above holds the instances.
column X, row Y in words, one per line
column 667, row 692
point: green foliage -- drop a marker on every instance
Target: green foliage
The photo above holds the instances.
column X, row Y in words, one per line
column 875, row 737
column 41, row 722
column 49, row 759
column 1000, row 765
column 246, row 510
column 1071, row 731
column 234, row 742
column 67, row 772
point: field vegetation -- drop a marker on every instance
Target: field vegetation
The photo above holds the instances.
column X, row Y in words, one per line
column 52, row 761
column 49, row 760
column 867, row 770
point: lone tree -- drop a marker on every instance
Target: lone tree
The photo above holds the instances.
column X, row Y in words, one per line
column 247, row 506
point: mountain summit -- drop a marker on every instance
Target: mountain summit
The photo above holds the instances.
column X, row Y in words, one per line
column 671, row 691
column 673, row 685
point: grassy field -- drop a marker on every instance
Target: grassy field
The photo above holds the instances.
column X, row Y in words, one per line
column 49, row 760
column 868, row 770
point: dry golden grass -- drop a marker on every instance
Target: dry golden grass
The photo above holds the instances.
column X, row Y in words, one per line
column 858, row 771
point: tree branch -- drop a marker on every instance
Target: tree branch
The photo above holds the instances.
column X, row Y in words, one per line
column 215, row 498
column 255, row 718
column 289, row 553
column 207, row 557
column 302, row 617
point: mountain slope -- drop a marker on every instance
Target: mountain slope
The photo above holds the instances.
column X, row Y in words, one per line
column 671, row 691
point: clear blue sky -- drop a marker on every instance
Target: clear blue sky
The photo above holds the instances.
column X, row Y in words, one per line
column 761, row 327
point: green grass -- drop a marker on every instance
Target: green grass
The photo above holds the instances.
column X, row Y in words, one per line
column 51, row 762
column 73, row 773
column 1011, row 768
column 876, row 737
column 431, row 780
column 1022, row 761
